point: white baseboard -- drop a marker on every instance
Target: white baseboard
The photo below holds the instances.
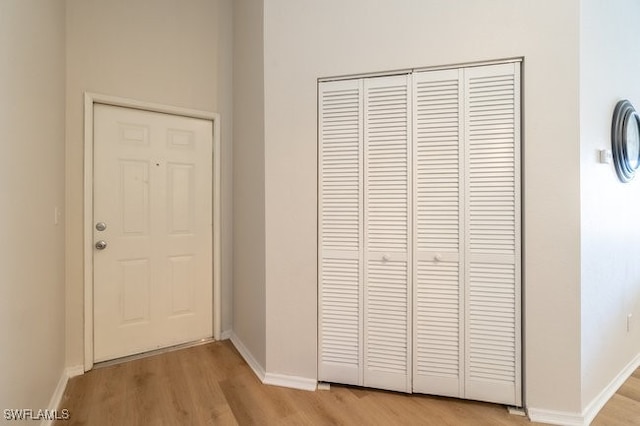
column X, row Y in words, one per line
column 248, row 357
column 56, row 398
column 592, row 409
column 553, row 417
column 76, row 370
column 294, row 382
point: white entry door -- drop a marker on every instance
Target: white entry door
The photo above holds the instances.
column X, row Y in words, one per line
column 152, row 230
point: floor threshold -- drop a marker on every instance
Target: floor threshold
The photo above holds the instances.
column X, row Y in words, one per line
column 154, row 352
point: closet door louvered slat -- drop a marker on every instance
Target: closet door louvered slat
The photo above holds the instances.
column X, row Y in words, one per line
column 387, row 154
column 437, row 139
column 340, row 232
column 492, row 111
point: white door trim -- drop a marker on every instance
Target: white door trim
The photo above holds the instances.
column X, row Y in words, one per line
column 90, row 99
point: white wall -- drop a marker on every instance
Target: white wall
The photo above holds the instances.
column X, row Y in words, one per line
column 31, row 186
column 610, row 237
column 306, row 39
column 170, row 52
column 248, row 179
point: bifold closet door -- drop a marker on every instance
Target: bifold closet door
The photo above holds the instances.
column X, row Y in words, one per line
column 387, row 233
column 467, row 233
column 340, row 214
column 492, row 222
column 365, row 232
column 438, row 336
column 419, row 233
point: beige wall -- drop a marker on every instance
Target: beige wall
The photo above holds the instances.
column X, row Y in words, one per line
column 32, row 185
column 163, row 51
column 307, row 39
column 610, row 237
column 248, row 178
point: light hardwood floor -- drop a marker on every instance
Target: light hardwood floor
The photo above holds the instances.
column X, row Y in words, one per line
column 211, row 384
column 624, row 407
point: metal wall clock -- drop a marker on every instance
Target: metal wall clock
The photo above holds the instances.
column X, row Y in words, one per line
column 625, row 140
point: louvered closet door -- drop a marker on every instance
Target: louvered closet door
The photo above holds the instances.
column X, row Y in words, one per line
column 387, row 291
column 419, row 233
column 438, row 198
column 492, row 220
column 340, row 232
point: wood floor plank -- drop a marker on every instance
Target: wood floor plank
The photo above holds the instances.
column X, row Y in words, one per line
column 631, row 388
column 212, row 385
column 619, row 411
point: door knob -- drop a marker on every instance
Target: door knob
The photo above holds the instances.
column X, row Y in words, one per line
column 101, row 226
column 101, row 245
column 437, row 257
column 386, row 258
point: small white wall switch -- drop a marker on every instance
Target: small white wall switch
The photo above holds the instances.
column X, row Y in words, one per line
column 629, row 322
column 56, row 215
column 605, row 156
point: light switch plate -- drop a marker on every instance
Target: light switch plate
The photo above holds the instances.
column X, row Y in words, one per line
column 605, row 156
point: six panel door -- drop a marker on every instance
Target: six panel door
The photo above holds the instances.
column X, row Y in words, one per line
column 153, row 191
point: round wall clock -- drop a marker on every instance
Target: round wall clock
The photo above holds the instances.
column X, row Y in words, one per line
column 625, row 140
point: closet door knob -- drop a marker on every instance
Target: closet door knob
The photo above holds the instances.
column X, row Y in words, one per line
column 437, row 257
column 386, row 257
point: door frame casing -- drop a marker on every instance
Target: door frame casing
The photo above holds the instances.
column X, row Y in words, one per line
column 90, row 99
